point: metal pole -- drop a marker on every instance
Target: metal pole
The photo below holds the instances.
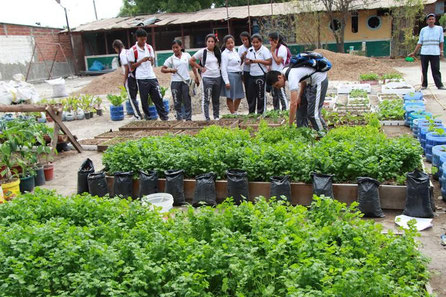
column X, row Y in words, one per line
column 71, row 40
column 227, row 16
column 249, row 19
column 95, row 12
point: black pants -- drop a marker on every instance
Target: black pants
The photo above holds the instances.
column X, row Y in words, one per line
column 256, row 94
column 132, row 89
column 435, row 67
column 279, row 98
column 211, row 92
column 180, row 95
column 151, row 87
column 311, row 106
column 246, row 77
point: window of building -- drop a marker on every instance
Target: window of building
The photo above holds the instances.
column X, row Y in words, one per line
column 374, row 22
column 355, row 19
column 335, row 25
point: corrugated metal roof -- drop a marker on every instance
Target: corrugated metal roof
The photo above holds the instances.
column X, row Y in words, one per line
column 217, row 14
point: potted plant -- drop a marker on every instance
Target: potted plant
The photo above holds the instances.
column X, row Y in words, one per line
column 392, row 77
column 369, row 78
column 97, row 105
column 116, row 107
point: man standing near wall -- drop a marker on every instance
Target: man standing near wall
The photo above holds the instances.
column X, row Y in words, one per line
column 431, row 43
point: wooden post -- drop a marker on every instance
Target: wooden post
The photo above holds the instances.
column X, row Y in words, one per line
column 128, row 38
column 106, row 44
column 52, row 64
column 153, row 38
column 182, row 35
column 58, row 120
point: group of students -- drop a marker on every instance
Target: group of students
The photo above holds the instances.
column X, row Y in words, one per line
column 225, row 72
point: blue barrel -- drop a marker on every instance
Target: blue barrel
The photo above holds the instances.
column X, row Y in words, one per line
column 166, row 105
column 417, row 115
column 413, row 96
column 411, row 109
column 440, row 166
column 424, row 125
column 433, row 139
column 153, row 114
column 129, row 107
column 117, row 112
column 437, row 152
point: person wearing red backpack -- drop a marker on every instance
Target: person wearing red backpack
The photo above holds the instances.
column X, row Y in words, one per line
column 141, row 58
column 281, row 58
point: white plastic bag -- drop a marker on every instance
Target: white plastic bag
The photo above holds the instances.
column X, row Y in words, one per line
column 58, row 85
column 8, row 94
column 27, row 93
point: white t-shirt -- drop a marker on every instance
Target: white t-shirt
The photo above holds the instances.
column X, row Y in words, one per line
column 145, row 70
column 296, row 74
column 280, row 52
column 230, row 62
column 430, row 39
column 241, row 50
column 123, row 59
column 181, row 64
column 212, row 67
column 262, row 54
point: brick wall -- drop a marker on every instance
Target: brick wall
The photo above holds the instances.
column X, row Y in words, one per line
column 44, row 38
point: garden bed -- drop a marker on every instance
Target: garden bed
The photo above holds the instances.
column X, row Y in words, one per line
column 113, row 134
column 149, row 125
column 231, row 123
column 392, row 197
column 103, row 146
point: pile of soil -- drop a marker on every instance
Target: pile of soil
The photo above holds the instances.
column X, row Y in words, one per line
column 349, row 67
column 109, row 83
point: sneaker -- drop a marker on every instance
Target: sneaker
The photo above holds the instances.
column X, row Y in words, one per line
column 423, row 88
column 216, row 119
column 442, row 88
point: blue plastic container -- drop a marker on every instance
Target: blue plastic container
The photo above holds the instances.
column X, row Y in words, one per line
column 424, row 130
column 117, row 112
column 433, row 139
column 417, row 130
column 129, row 108
column 413, row 96
column 417, row 115
column 437, row 152
column 152, row 110
column 411, row 109
column 440, row 166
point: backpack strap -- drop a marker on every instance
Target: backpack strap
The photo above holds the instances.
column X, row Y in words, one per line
column 205, row 54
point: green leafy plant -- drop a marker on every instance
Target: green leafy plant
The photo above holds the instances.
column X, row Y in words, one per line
column 358, row 94
column 391, row 110
column 116, row 100
column 346, row 152
column 87, row 246
column 163, row 91
column 392, row 76
column 369, row 76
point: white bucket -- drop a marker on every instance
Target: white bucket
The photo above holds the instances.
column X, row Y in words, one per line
column 163, row 200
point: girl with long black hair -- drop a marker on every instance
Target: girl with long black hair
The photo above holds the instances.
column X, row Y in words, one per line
column 178, row 65
column 280, row 54
column 210, row 60
column 231, row 71
column 258, row 57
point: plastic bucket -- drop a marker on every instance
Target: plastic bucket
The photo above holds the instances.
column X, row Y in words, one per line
column 437, row 152
column 117, row 112
column 12, row 189
column 2, row 197
column 153, row 114
column 129, row 107
column 163, row 200
column 413, row 96
column 166, row 105
column 27, row 184
column 39, row 178
column 49, row 172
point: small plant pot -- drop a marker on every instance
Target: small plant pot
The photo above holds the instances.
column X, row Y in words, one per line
column 11, row 189
column 39, row 178
column 27, row 184
column 117, row 112
column 99, row 112
column 91, row 114
column 87, row 116
column 49, row 172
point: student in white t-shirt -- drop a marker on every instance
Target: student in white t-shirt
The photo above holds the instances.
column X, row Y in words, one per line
column 178, row 65
column 258, row 58
column 129, row 78
column 308, row 89
column 245, row 37
column 210, row 60
column 141, row 58
column 279, row 52
column 231, row 71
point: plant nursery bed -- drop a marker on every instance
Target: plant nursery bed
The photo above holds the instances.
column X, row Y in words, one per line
column 399, row 88
column 113, row 134
column 392, row 197
column 148, row 133
column 254, row 123
column 230, row 123
column 346, row 88
column 382, row 97
column 149, row 125
column 190, row 132
column 94, row 141
column 107, row 143
column 392, row 123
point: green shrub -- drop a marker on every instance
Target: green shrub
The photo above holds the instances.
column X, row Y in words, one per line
column 52, row 245
column 391, row 110
column 392, row 76
column 361, row 151
column 369, row 76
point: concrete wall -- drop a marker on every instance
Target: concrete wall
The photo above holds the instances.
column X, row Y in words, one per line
column 16, row 48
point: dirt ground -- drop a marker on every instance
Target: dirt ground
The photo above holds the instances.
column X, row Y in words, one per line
column 67, row 163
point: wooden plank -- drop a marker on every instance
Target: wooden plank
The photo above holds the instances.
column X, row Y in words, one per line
column 55, row 136
column 22, row 108
column 64, row 128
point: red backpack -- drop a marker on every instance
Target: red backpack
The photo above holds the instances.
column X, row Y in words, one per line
column 135, row 53
column 288, row 55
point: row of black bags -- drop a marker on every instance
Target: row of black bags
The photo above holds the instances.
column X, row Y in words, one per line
column 418, row 198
